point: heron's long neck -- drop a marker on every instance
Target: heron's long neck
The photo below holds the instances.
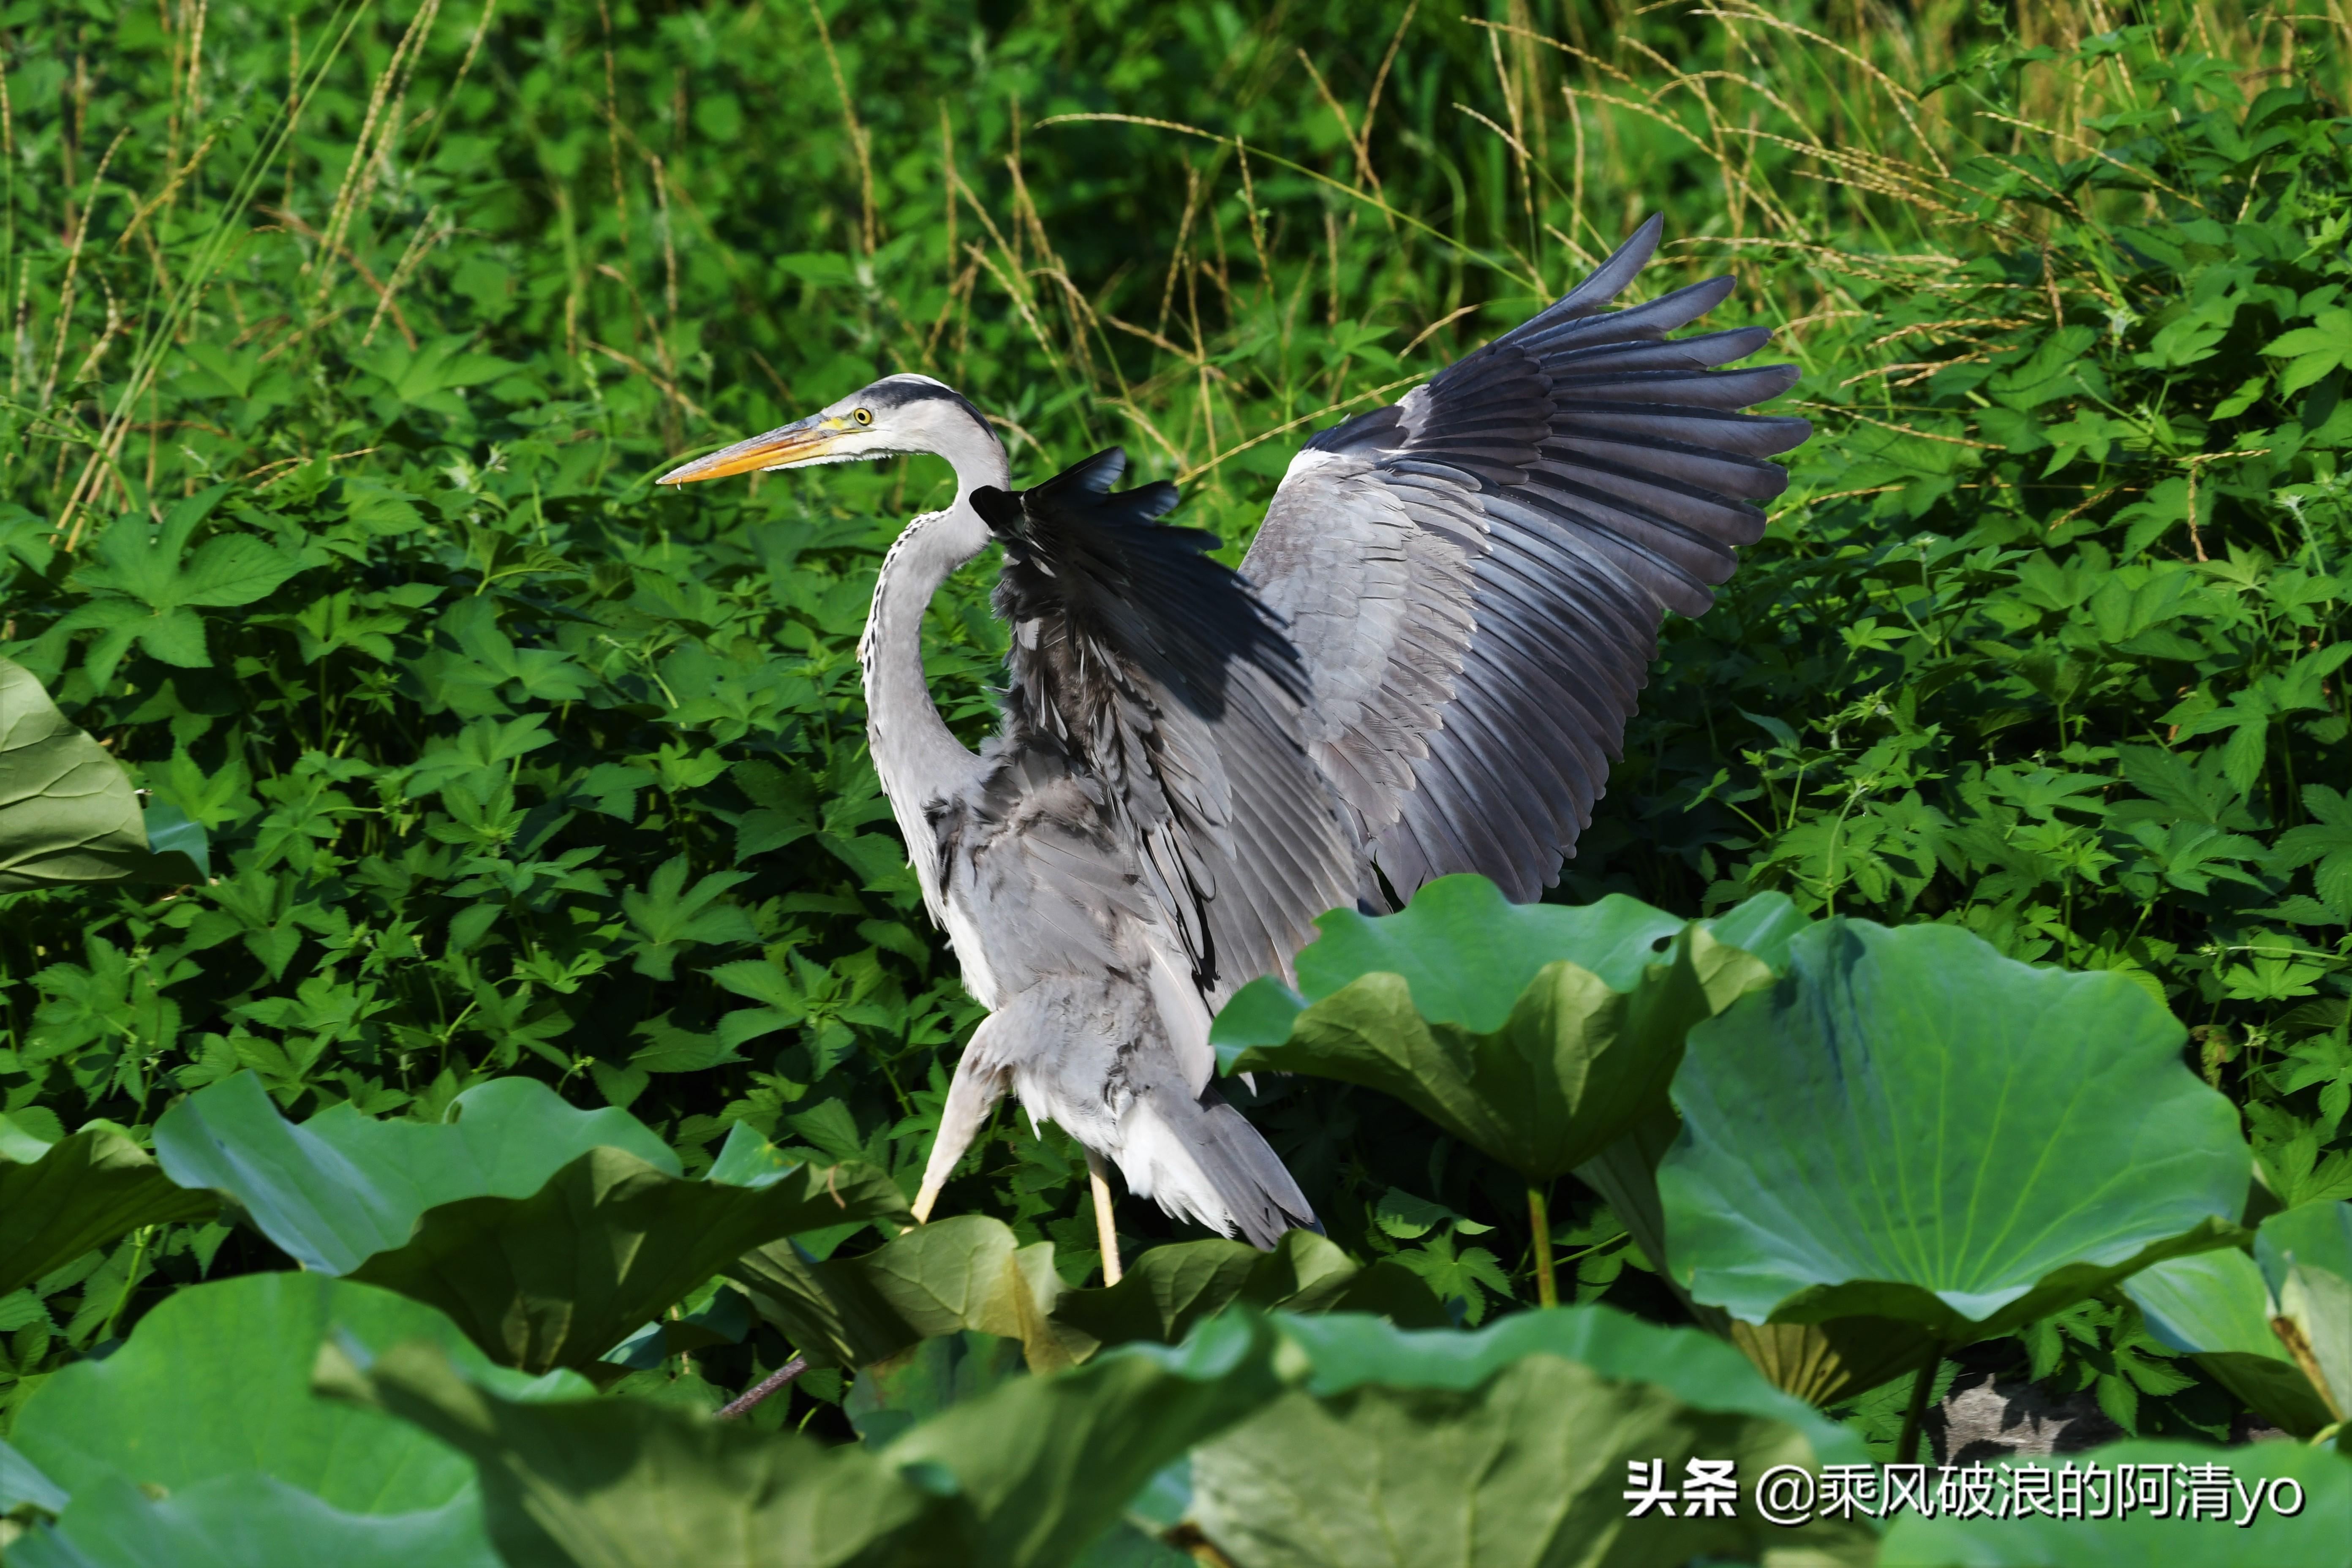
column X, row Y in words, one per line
column 916, row 755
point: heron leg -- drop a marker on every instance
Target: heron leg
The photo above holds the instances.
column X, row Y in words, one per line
column 1105, row 1226
column 978, row 1084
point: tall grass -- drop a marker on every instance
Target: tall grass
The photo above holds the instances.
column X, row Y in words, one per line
column 705, row 218
column 414, row 300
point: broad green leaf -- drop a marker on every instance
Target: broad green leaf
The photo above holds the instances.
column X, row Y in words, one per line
column 214, row 1383
column 1027, row 1474
column 669, row 917
column 1168, row 1290
column 66, row 810
column 613, row 1482
column 234, row 569
column 170, row 831
column 965, row 1273
column 1564, row 1067
column 139, row 559
column 2312, row 351
column 81, row 1193
column 2305, row 1257
column 1505, row 1447
column 1762, row 926
column 1348, row 1351
column 343, row 1186
column 2315, row 1534
column 1048, row 1463
column 969, row 1273
column 557, row 1278
column 1909, row 1126
column 2214, row 1306
column 250, row 1520
column 1466, row 952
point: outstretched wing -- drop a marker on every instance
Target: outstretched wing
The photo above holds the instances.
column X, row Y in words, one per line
column 1159, row 671
column 1475, row 576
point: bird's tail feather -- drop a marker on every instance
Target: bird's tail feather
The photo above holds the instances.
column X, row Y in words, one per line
column 1202, row 1160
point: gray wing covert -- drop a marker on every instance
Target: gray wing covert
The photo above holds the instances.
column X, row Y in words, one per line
column 1159, row 671
column 1475, row 575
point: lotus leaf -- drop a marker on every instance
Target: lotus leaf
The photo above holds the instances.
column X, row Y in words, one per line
column 1506, row 1446
column 68, row 813
column 211, row 1395
column 1538, row 1034
column 2305, row 1257
column 1170, row 1288
column 2214, row 1306
column 252, row 1521
column 965, row 1273
column 342, row 1186
column 558, row 1278
column 624, row 1481
column 1910, row 1127
column 80, row 1193
column 1022, row 1477
column 1049, row 1462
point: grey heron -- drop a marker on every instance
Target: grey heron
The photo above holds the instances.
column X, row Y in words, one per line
column 1423, row 666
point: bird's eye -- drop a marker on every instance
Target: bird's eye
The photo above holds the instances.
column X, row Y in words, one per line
column 864, row 417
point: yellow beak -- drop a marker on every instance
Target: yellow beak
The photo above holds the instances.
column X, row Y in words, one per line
column 779, row 448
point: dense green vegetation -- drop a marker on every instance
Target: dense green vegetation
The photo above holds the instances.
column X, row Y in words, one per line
column 345, row 342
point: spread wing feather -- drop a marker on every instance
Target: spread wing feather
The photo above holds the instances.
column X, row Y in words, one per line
column 1160, row 674
column 1475, row 575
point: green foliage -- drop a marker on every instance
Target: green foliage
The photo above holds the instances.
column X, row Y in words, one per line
column 59, row 1200
column 622, row 1481
column 2213, row 1306
column 2305, row 1256
column 207, row 1405
column 546, row 1232
column 1507, row 1446
column 348, row 339
column 335, row 1191
column 1898, row 1080
column 556, row 1278
column 970, row 1275
column 1411, row 1004
column 67, row 811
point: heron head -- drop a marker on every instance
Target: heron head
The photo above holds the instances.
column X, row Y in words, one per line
column 899, row 415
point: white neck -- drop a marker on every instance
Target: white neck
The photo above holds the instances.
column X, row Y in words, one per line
column 916, row 755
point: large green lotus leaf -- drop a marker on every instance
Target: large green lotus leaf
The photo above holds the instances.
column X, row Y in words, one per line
column 1574, row 1063
column 558, row 1278
column 2319, row 1536
column 1508, row 1448
column 1909, row 1126
column 966, row 1272
column 1347, row 1351
column 343, row 1186
column 215, row 1383
column 1168, row 1290
column 81, row 1193
column 1464, row 951
column 625, row 1483
column 252, row 1521
column 1763, row 926
column 22, row 1483
column 68, row 813
column 1048, row 1463
column 2214, row 1306
column 2305, row 1257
